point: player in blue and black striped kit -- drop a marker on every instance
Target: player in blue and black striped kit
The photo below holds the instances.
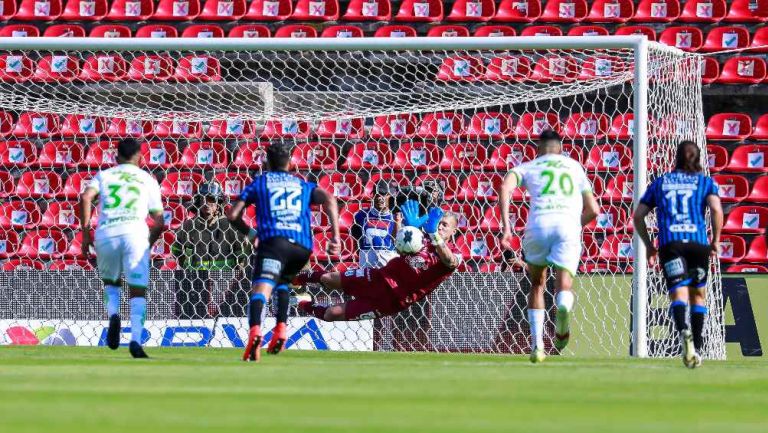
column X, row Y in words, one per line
column 284, row 230
column 681, row 198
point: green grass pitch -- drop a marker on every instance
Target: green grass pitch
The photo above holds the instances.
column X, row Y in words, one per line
column 66, row 389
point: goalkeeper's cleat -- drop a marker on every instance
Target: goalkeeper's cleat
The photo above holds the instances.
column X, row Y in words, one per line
column 538, row 355
column 689, row 351
column 278, row 340
column 561, row 340
column 113, row 332
column 298, row 298
column 136, row 350
column 253, row 347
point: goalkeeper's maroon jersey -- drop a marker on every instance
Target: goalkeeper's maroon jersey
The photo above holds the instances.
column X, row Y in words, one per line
column 414, row 276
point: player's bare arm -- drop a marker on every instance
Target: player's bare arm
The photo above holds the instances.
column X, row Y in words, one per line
column 642, row 230
column 511, row 182
column 235, row 217
column 591, row 208
column 158, row 226
column 86, row 208
column 331, row 208
column 716, row 215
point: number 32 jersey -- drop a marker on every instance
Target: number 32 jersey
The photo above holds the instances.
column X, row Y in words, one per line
column 282, row 203
column 555, row 184
column 127, row 194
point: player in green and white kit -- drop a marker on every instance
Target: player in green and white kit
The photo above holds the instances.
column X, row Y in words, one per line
column 559, row 192
column 123, row 239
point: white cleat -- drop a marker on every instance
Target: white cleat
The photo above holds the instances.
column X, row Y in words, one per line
column 538, row 356
column 299, row 297
column 689, row 351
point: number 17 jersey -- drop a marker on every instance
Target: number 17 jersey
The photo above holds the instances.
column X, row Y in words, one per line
column 555, row 184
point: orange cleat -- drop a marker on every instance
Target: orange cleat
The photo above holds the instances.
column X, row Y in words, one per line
column 253, row 347
column 279, row 337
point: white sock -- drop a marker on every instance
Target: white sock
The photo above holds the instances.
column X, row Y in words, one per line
column 112, row 299
column 138, row 313
column 536, row 322
column 564, row 300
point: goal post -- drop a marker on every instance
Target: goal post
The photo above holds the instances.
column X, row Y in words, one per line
column 457, row 112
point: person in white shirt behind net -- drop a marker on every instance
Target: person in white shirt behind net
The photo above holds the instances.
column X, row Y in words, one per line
column 127, row 194
column 559, row 193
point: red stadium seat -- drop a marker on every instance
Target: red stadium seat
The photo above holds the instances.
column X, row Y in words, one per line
column 84, row 10
column 320, row 248
column 232, row 127
column 610, row 11
column 249, row 31
column 619, row 188
column 110, row 31
column 65, row 31
column 494, row 31
column 104, row 67
column 315, row 156
column 732, row 187
column 341, row 128
column 17, row 154
column 181, row 185
column 342, row 32
column 757, row 251
column 600, row 66
column 119, row 127
column 746, row 269
column 686, row 38
column 703, row 11
column 448, row 183
column 759, row 40
column 710, row 70
column 469, row 215
column 394, row 126
column 395, row 32
column 157, row 31
column 19, row 214
column 321, row 10
column 760, row 132
column 22, row 265
column 41, row 125
column 286, row 128
column 480, row 187
column 101, row 154
column 56, row 69
column 9, row 244
column 733, row 248
column 749, row 158
column 515, row 11
column 462, row 68
column 541, row 31
column 609, row 157
column 622, row 127
column 564, row 11
column 420, row 11
column 191, row 69
column 368, row 10
column 509, row 155
column 479, row 247
column 159, row 154
column 492, row 125
column 729, row 127
column 417, row 156
column 222, row 10
column 617, row 248
column 61, row 215
column 43, row 244
column 7, row 11
column 746, row 219
column 346, row 219
column 396, row 181
column 743, row 70
column 7, row 184
column 346, row 186
column 75, row 247
column 151, row 68
column 555, row 68
column 176, row 10
column 372, row 155
column 491, row 219
column 588, row 31
column 531, row 125
column 204, row 155
column 448, row 31
column 71, row 265
column 472, row 11
column 717, row 157
column 250, row 155
column 296, row 31
column 15, row 68
column 747, row 11
column 586, row 126
column 441, row 125
column 178, row 129
column 61, row 154
column 34, row 10
column 656, row 11
column 16, row 30
column 233, row 183
column 464, row 157
column 610, row 219
column 131, row 10
column 508, row 68
column 203, row 31
column 648, row 31
column 76, row 184
column 269, row 10
column 574, row 152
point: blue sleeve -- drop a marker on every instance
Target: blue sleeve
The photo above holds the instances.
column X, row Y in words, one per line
column 712, row 188
column 649, row 198
column 245, row 194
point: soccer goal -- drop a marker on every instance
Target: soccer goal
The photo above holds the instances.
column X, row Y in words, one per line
column 446, row 114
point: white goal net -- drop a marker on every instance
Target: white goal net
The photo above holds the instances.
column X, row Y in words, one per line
column 448, row 114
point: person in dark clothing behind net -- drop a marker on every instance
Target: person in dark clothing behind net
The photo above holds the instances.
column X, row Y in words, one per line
column 205, row 243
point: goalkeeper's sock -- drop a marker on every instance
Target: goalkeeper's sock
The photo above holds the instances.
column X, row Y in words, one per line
column 564, row 301
column 255, row 309
column 698, row 314
column 112, row 300
column 536, row 322
column 138, row 313
column 283, row 302
column 677, row 309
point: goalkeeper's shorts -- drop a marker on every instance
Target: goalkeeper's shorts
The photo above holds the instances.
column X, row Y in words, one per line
column 123, row 254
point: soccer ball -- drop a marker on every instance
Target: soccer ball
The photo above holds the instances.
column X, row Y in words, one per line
column 409, row 240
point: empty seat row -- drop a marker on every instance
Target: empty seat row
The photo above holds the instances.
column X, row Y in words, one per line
column 740, row 70
column 49, row 244
column 736, row 127
column 734, row 249
column 525, row 11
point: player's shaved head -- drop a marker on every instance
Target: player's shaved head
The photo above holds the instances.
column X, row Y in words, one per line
column 279, row 156
column 128, row 150
column 549, row 142
column 688, row 158
column 448, row 224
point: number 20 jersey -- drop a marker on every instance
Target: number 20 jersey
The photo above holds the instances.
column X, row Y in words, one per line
column 282, row 203
column 127, row 194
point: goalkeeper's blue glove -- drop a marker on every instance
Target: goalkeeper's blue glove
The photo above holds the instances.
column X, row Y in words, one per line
column 434, row 216
column 411, row 216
